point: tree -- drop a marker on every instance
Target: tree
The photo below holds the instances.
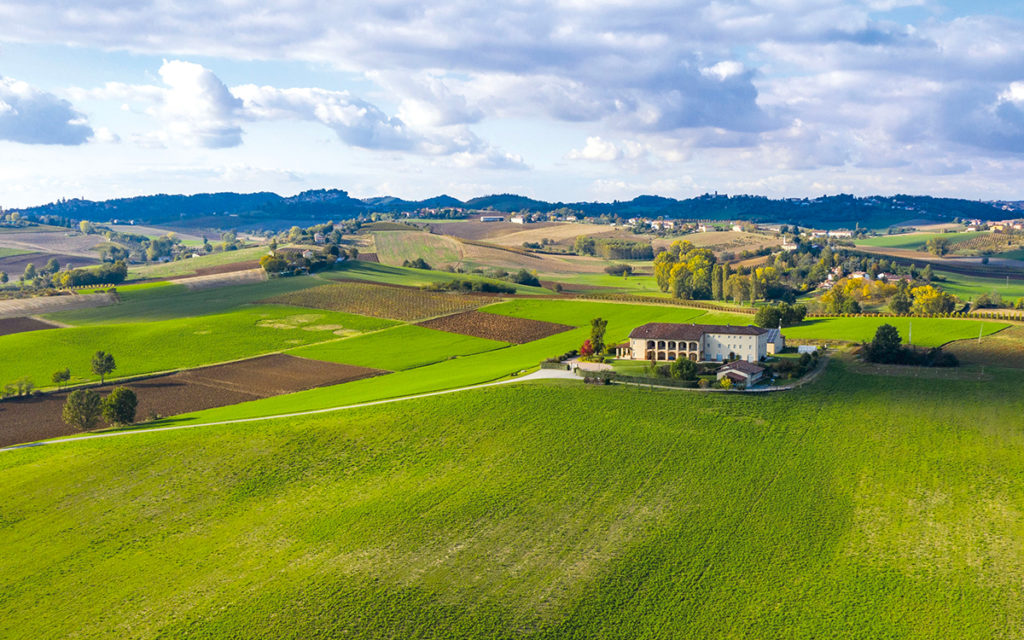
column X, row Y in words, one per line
column 886, row 346
column 30, row 272
column 717, row 285
column 102, row 364
column 52, row 266
column 4, row 277
column 926, row 273
column 62, row 376
column 768, row 316
column 937, row 246
column 684, row 369
column 273, row 263
column 725, row 382
column 119, row 406
column 82, row 409
column 597, row 328
column 901, row 301
column 353, row 253
column 86, row 227
column 586, row 350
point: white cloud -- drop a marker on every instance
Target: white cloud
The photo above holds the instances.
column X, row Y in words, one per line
column 31, row 116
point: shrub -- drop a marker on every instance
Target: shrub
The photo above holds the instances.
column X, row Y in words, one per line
column 82, row 409
column 119, row 406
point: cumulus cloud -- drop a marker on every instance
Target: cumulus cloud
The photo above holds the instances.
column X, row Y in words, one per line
column 31, row 116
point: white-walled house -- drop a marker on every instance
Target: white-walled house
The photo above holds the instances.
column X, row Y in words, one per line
column 666, row 341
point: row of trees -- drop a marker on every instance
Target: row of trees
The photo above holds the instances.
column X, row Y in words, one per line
column 84, row 407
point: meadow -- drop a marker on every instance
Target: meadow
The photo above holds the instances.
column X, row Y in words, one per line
column 397, row 348
column 861, row 506
column 927, row 332
column 914, row 241
column 394, row 247
column 386, row 274
column 188, row 266
column 146, row 347
column 969, row 287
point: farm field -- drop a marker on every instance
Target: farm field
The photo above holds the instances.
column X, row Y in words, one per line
column 150, row 301
column 385, row 274
column 7, row 251
column 189, row 266
column 493, row 326
column 927, row 332
column 1002, row 349
column 52, row 240
column 148, row 347
column 969, row 287
column 863, row 506
column 915, row 241
column 398, row 348
column 14, row 263
column 394, row 247
column 10, row 326
column 381, row 301
column 26, row 420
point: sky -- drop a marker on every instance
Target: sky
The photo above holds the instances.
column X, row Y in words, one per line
column 572, row 100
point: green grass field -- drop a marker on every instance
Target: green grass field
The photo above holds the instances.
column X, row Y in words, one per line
column 915, row 240
column 394, row 247
column 147, row 347
column 969, row 287
column 861, row 506
column 7, row 252
column 397, row 348
column 189, row 265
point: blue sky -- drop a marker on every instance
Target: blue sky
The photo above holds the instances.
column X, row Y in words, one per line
column 568, row 100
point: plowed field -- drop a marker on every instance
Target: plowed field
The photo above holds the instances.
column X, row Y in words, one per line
column 382, row 301
column 217, row 386
column 20, row 325
column 494, row 327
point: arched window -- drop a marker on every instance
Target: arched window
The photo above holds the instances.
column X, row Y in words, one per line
column 650, row 344
column 671, row 344
column 693, row 346
column 661, row 355
column 661, row 344
column 693, row 356
column 671, row 355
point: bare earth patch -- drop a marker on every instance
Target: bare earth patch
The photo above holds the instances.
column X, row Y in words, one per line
column 381, row 301
column 496, row 327
column 21, row 325
column 26, row 420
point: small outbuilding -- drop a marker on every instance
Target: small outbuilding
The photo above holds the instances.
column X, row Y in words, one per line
column 741, row 373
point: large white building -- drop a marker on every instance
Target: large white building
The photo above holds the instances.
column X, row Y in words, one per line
column 666, row 341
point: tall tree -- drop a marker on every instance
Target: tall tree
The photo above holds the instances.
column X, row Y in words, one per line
column 597, row 328
column 119, row 406
column 102, row 364
column 716, row 282
column 82, row 409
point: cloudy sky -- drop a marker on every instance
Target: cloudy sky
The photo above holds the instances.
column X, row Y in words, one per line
column 566, row 100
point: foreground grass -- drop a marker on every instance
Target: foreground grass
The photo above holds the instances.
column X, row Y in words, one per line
column 170, row 344
column 860, row 507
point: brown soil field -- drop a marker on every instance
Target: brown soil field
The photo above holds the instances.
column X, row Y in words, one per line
column 57, row 242
column 495, row 327
column 15, row 265
column 382, row 301
column 1002, row 349
column 212, row 281
column 476, row 230
column 21, row 325
column 228, row 268
column 30, row 419
column 369, row 257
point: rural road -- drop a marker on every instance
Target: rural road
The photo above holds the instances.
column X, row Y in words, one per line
column 541, row 374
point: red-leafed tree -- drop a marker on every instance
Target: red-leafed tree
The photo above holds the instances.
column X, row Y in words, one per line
column 586, row 349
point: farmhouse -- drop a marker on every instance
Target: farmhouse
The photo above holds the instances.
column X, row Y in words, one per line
column 666, row 341
column 742, row 373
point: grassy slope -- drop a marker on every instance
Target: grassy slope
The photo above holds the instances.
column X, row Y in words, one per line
column 859, row 507
column 6, row 252
column 189, row 266
column 927, row 332
column 915, row 240
column 170, row 344
column 385, row 274
column 401, row 347
column 394, row 247
column 967, row 287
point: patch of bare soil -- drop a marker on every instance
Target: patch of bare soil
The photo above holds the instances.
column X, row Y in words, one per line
column 495, row 327
column 15, row 265
column 30, row 419
column 21, row 325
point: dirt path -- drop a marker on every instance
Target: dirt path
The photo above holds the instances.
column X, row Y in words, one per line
column 542, row 374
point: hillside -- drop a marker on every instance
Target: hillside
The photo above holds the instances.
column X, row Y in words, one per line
column 851, row 509
column 271, row 211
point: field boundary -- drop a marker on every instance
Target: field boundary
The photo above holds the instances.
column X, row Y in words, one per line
column 542, row 374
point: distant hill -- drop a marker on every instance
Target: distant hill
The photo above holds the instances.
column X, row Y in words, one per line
column 271, row 211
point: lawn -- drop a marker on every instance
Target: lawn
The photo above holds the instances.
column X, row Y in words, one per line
column 397, row 348
column 860, row 506
column 172, row 344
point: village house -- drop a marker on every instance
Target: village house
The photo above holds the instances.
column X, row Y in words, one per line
column 666, row 341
